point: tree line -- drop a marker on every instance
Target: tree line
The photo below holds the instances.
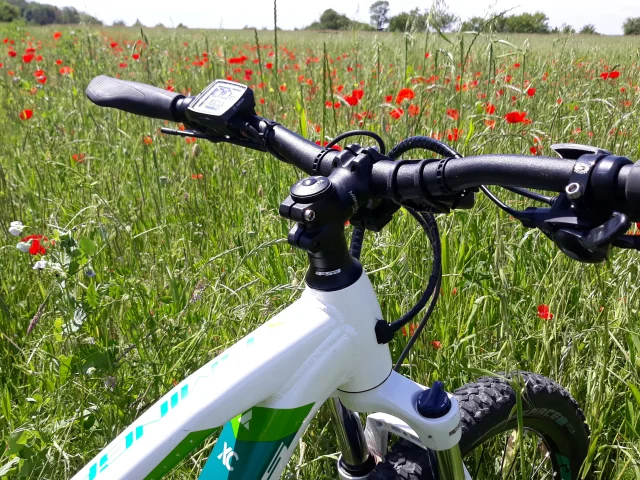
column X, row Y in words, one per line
column 42, row 14
column 440, row 19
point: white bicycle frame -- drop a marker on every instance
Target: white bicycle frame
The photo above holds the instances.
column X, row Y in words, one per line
column 268, row 387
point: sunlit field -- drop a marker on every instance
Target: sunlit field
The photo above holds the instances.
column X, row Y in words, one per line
column 160, row 252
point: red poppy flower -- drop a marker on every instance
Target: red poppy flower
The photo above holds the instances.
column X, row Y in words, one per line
column 26, row 114
column 36, row 244
column 123, row 65
column 57, row 35
column 614, row 74
column 135, row 56
column 490, row 123
column 41, row 79
column 283, row 88
column 490, row 108
column 427, row 55
column 26, row 58
column 453, row 114
column 531, row 92
column 515, row 117
column 328, row 104
column 196, row 176
column 351, row 100
column 454, row 135
column 358, row 93
column 396, row 113
column 436, row 344
column 238, row 60
column 544, row 313
column 78, row 157
column 411, row 331
column 169, row 88
column 516, row 65
column 604, row 75
column 114, row 44
column 66, row 71
column 147, row 140
column 413, row 110
column 269, row 65
column 388, row 98
column 12, row 53
column 58, row 62
column 405, row 94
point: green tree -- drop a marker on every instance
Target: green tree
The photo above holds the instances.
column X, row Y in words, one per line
column 631, row 26
column 87, row 19
column 379, row 14
column 119, row 23
column 567, row 29
column 589, row 29
column 332, row 20
column 473, row 24
column 414, row 21
column 527, row 23
column 138, row 23
column 40, row 14
column 442, row 20
column 68, row 15
column 8, row 13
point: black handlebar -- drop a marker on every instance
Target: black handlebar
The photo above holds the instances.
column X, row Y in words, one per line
column 417, row 179
column 137, row 98
column 408, row 181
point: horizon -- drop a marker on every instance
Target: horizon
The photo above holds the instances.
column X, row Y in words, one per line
column 203, row 14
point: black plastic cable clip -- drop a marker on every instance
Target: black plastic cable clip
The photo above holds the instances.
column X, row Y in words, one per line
column 384, row 332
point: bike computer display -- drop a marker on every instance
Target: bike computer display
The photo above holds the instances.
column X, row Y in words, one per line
column 219, row 103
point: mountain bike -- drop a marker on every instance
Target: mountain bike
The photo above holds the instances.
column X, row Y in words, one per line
column 331, row 345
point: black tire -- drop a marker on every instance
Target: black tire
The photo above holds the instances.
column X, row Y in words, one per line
column 487, row 410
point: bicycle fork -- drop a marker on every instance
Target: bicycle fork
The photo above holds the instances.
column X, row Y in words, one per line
column 359, row 448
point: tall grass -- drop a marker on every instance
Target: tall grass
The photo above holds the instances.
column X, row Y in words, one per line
column 188, row 249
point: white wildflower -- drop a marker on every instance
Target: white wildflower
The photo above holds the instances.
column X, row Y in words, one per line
column 40, row 265
column 91, row 370
column 16, row 228
column 24, row 246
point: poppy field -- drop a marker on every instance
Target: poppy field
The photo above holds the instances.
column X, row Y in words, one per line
column 129, row 258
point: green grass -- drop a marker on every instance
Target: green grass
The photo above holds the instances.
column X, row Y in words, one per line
column 105, row 348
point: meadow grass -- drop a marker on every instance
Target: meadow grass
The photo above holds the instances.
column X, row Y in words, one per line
column 189, row 252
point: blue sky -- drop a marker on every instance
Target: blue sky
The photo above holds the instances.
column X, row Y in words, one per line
column 607, row 16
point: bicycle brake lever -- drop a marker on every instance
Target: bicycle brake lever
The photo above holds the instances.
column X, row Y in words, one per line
column 606, row 233
column 631, row 242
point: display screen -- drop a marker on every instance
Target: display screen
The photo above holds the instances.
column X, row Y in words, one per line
column 218, row 98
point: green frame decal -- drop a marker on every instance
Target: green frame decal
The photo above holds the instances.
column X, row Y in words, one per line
column 252, row 444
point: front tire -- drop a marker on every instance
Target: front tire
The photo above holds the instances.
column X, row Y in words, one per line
column 555, row 438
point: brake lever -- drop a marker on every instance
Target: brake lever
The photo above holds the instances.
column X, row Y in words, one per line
column 606, row 233
column 212, row 138
column 631, row 242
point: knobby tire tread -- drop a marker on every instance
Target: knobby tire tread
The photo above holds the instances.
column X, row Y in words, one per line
column 485, row 407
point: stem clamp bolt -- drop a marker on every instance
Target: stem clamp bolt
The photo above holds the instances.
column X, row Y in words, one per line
column 309, row 215
column 574, row 191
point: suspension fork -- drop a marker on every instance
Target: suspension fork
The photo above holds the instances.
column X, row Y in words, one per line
column 355, row 460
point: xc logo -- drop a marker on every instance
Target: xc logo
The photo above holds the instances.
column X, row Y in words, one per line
column 226, row 455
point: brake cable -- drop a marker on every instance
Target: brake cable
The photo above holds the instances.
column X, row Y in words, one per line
column 428, row 222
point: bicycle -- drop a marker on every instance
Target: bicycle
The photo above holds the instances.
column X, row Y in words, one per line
column 331, row 345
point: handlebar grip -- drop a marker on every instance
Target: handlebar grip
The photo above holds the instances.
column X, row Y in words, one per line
column 134, row 97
